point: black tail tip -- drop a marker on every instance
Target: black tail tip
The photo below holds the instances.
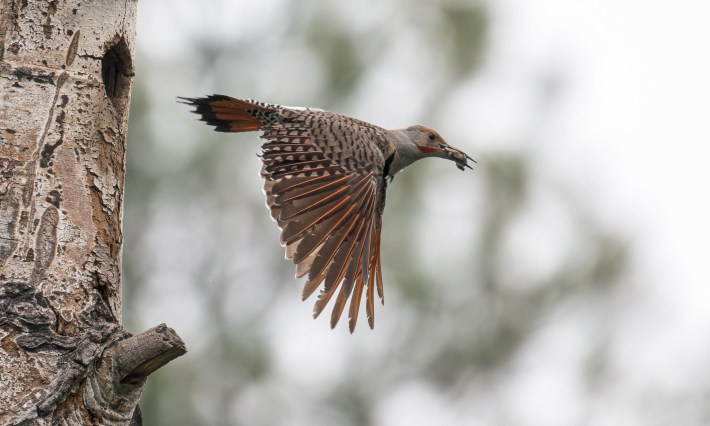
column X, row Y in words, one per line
column 202, row 100
column 186, row 101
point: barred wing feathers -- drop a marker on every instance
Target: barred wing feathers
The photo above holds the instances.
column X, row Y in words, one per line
column 325, row 188
column 329, row 212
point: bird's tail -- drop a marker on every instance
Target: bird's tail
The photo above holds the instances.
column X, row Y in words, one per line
column 233, row 115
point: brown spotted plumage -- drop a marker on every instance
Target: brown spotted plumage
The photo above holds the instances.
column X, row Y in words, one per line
column 325, row 179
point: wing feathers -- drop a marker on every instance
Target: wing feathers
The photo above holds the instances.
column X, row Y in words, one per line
column 285, row 186
column 311, row 190
column 315, row 239
column 336, row 272
column 355, row 302
column 329, row 219
column 363, row 279
column 316, row 221
column 325, row 200
column 350, row 260
column 338, row 254
column 299, row 207
column 370, row 299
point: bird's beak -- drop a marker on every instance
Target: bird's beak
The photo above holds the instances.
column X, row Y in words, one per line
column 458, row 156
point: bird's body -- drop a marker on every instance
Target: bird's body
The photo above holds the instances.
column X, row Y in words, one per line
column 325, row 180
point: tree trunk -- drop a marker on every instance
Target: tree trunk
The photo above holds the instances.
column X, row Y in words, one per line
column 65, row 76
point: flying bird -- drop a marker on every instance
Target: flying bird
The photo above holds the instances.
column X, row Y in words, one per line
column 325, row 180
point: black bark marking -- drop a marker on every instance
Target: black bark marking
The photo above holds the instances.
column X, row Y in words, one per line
column 47, row 29
column 54, row 198
column 5, row 18
column 46, row 240
column 47, row 152
column 47, row 26
column 104, row 290
column 60, row 81
column 48, row 149
column 33, row 74
column 9, row 215
column 73, row 47
column 60, row 116
column 9, row 11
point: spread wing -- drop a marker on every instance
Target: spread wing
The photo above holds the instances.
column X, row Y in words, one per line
column 328, row 206
column 325, row 187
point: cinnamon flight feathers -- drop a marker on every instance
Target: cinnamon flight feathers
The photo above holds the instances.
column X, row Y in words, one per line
column 325, row 180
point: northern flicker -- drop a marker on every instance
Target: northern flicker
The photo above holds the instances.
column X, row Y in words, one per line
column 325, row 180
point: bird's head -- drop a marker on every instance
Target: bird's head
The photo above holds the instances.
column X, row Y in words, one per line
column 428, row 143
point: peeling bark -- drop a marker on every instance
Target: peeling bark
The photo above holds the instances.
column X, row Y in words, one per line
column 65, row 77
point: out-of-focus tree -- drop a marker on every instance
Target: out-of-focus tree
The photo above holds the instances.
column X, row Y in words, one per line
column 462, row 302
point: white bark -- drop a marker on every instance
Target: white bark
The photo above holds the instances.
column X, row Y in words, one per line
column 65, row 75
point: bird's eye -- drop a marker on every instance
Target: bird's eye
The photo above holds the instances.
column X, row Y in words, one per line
column 432, row 137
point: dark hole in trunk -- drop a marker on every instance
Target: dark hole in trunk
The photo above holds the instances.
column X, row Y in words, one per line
column 116, row 71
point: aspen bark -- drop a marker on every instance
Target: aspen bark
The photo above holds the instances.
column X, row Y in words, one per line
column 66, row 68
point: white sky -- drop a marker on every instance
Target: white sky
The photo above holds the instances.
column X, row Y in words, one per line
column 631, row 137
column 634, row 128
